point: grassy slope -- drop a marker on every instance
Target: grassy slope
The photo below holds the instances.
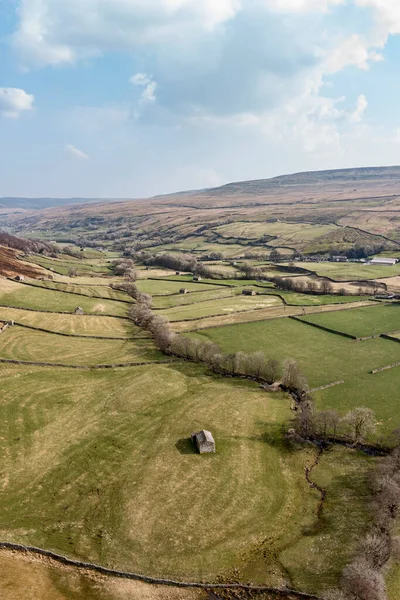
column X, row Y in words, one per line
column 94, row 291
column 220, row 306
column 107, row 473
column 43, row 581
column 75, row 324
column 350, row 271
column 325, row 357
column 18, row 343
column 24, row 296
column 361, row 322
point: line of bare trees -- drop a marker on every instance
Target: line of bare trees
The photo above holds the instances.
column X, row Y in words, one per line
column 254, row 365
column 363, row 578
column 329, row 425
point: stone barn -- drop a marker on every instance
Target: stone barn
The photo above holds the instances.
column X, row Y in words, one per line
column 248, row 293
column 197, row 278
column 183, row 291
column 79, row 310
column 19, row 278
column 204, row 441
column 177, row 272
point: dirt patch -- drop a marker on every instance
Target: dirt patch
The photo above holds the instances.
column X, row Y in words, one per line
column 11, row 265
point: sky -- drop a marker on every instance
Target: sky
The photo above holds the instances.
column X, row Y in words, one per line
column 132, row 98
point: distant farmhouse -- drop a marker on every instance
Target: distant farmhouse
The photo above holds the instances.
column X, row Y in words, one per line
column 248, row 293
column 389, row 262
column 204, row 441
column 339, row 259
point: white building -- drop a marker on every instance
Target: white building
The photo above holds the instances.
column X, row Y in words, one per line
column 389, row 262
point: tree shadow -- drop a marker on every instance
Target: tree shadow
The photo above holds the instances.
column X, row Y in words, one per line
column 185, row 446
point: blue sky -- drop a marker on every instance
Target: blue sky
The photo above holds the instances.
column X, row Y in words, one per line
column 130, row 98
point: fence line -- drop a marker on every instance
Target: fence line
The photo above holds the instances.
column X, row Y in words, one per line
column 283, row 592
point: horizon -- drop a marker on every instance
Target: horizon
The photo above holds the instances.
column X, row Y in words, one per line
column 127, row 199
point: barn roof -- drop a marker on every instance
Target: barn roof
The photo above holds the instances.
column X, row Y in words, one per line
column 204, row 436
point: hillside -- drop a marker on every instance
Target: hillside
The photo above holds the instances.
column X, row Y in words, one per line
column 317, row 212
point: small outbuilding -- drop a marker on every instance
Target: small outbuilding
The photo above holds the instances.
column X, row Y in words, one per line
column 20, row 278
column 248, row 293
column 197, row 278
column 79, row 310
column 177, row 272
column 385, row 262
column 183, row 291
column 204, row 441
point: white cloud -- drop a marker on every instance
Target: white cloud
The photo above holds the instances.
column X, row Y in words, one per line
column 362, row 105
column 13, row 101
column 302, row 6
column 356, row 50
column 76, row 152
column 146, row 82
column 57, row 31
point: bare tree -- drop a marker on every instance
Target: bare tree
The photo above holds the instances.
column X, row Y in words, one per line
column 72, row 272
column 273, row 370
column 326, row 286
column 361, row 582
column 360, row 421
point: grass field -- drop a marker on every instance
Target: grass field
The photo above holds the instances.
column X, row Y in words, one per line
column 63, row 264
column 46, row 581
column 350, row 271
column 18, row 343
column 167, row 286
column 361, row 322
column 194, row 297
column 93, row 291
column 324, row 358
column 74, row 324
column 24, row 296
column 293, row 235
column 220, row 306
column 106, row 472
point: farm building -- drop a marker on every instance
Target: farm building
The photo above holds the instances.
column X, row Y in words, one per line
column 389, row 262
column 204, row 441
column 339, row 259
column 248, row 293
column 197, row 278
column 19, row 278
column 183, row 291
column 177, row 272
column 79, row 310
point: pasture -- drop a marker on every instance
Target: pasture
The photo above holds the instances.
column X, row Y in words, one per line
column 18, row 343
column 362, row 322
column 350, row 271
column 73, row 324
column 92, row 291
column 19, row 295
column 324, row 358
column 159, row 287
column 99, row 465
column 220, row 306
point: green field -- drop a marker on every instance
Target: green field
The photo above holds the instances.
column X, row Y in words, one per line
column 350, row 271
column 99, row 465
column 23, row 296
column 194, row 297
column 220, row 306
column 361, row 322
column 63, row 265
column 324, row 358
column 18, row 343
column 93, row 291
column 74, row 324
column 159, row 287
